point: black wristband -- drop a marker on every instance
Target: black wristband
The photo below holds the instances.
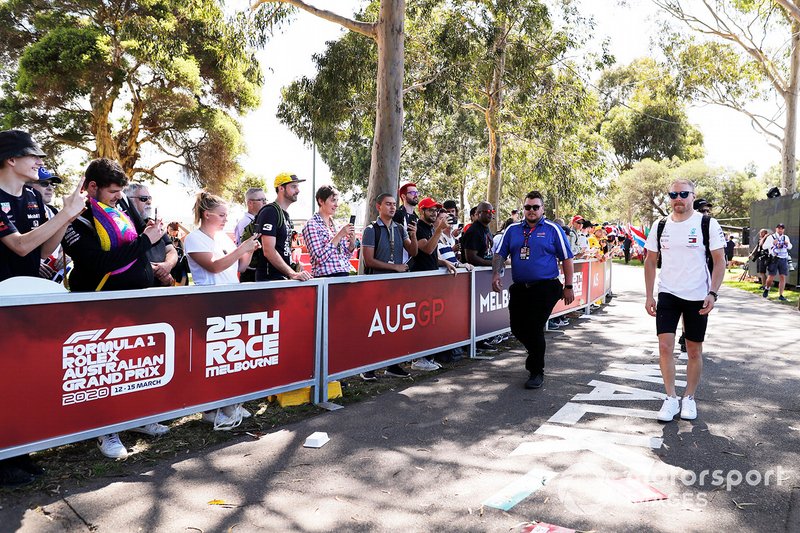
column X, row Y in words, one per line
column 714, row 294
column 568, row 286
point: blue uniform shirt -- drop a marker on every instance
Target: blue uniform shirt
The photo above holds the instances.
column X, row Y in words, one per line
column 548, row 244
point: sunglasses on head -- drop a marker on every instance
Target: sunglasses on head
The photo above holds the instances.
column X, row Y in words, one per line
column 143, row 198
column 529, row 207
column 682, row 194
column 490, row 211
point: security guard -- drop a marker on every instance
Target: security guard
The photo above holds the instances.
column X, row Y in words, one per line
column 535, row 245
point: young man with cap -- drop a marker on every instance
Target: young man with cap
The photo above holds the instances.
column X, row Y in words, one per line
column 27, row 234
column 275, row 226
column 778, row 245
column 52, row 266
column 577, row 240
column 686, row 289
column 536, row 246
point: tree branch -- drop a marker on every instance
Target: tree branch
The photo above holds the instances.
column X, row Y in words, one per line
column 789, row 6
column 364, row 28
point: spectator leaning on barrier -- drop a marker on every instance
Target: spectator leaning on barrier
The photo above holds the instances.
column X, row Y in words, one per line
column 382, row 246
column 686, row 289
column 535, row 245
column 108, row 254
column 27, row 234
column 275, row 227
column 215, row 260
column 778, row 246
column 578, row 242
column 477, row 240
column 330, row 249
column 163, row 256
column 256, row 198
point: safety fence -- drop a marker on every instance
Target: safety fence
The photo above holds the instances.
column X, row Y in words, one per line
column 84, row 365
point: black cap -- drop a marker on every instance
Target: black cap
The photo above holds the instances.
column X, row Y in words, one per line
column 18, row 143
column 587, row 223
column 701, row 203
column 780, row 226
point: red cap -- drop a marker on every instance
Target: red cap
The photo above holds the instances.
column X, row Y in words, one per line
column 427, row 203
column 577, row 218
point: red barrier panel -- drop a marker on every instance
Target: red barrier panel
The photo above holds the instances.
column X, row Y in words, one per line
column 580, row 286
column 373, row 321
column 597, row 285
column 78, row 366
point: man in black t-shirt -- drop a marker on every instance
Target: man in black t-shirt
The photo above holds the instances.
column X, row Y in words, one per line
column 477, row 241
column 26, row 235
column 429, row 229
column 275, row 227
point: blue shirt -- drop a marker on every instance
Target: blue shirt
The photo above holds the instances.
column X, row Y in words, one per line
column 547, row 243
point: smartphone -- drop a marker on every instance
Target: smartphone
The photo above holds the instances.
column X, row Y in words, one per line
column 352, row 219
column 155, row 213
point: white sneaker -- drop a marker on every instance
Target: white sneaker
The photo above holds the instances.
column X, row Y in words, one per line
column 221, row 421
column 688, row 408
column 154, row 429
column 244, row 412
column 669, row 409
column 424, row 365
column 111, row 447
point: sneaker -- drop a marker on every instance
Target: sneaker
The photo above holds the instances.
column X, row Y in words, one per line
column 424, row 365
column 552, row 324
column 244, row 412
column 535, row 381
column 154, row 430
column 221, row 421
column 688, row 408
column 563, row 322
column 369, row 376
column 765, row 293
column 111, row 446
column 782, row 298
column 669, row 409
column 11, row 475
column 396, row 371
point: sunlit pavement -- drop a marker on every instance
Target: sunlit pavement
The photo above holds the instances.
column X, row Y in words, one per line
column 450, row 453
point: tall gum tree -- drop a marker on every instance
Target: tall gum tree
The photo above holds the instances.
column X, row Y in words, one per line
column 750, row 43
column 389, row 36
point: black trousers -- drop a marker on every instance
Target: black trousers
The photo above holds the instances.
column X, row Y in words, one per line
column 529, row 308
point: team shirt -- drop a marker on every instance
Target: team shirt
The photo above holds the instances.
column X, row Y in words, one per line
column 683, row 270
column 20, row 214
column 268, row 223
column 546, row 245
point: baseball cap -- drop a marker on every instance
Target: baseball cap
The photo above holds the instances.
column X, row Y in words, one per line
column 576, row 218
column 18, row 143
column 46, row 175
column 427, row 203
column 700, row 203
column 587, row 223
column 404, row 187
column 285, row 177
column 780, row 225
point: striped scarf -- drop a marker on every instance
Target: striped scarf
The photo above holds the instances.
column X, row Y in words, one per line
column 114, row 229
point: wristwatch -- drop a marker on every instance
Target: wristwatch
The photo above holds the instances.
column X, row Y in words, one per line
column 568, row 287
column 714, row 294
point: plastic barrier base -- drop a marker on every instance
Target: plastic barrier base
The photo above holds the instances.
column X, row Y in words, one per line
column 303, row 396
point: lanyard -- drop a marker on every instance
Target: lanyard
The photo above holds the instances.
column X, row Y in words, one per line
column 390, row 230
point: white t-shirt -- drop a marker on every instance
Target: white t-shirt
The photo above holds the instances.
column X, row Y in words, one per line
column 683, row 257
column 778, row 245
column 219, row 246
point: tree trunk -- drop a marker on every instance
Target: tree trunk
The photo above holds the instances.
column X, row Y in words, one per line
column 788, row 159
column 105, row 145
column 384, row 174
column 492, row 122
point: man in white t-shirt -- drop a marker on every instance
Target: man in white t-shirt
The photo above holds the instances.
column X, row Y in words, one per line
column 778, row 246
column 685, row 288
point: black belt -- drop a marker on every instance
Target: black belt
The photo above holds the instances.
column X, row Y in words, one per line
column 531, row 284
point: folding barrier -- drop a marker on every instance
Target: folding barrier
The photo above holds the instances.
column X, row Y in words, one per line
column 86, row 364
column 83, row 365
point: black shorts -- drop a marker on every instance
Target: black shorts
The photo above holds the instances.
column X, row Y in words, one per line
column 668, row 313
column 761, row 265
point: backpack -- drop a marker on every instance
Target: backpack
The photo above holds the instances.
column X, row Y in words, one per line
column 704, row 228
column 250, row 230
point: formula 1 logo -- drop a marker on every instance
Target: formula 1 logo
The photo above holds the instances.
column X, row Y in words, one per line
column 100, row 363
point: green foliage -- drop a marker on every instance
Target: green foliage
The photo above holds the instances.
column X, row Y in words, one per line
column 237, row 189
column 114, row 77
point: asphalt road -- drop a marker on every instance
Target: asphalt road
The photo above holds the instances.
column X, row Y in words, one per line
column 444, row 454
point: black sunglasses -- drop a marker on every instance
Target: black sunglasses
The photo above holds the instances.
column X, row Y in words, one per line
column 529, row 207
column 143, row 198
column 682, row 194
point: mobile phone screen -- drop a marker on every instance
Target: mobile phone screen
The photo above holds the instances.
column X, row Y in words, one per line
column 352, row 219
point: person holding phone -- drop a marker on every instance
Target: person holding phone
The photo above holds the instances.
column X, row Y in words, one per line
column 330, row 247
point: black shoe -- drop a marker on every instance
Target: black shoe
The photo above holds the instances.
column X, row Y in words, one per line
column 369, row 376
column 25, row 463
column 396, row 371
column 534, row 382
column 443, row 358
column 13, row 476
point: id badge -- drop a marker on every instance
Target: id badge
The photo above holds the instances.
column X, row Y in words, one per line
column 524, row 253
